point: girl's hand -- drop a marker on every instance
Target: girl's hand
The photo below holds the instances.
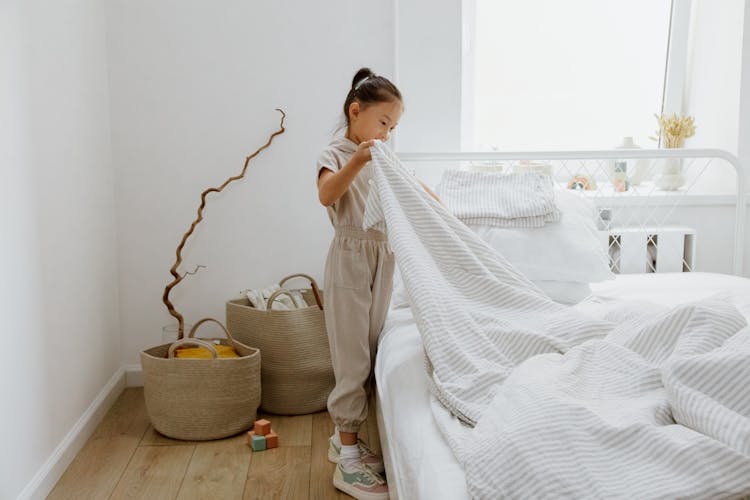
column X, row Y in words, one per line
column 363, row 152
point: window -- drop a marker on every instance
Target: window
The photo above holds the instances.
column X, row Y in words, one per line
column 579, row 74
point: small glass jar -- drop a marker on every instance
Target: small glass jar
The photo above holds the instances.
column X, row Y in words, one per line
column 620, row 178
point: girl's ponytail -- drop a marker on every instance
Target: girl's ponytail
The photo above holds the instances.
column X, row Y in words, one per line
column 361, row 76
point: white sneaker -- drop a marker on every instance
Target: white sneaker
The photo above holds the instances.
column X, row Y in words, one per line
column 360, row 482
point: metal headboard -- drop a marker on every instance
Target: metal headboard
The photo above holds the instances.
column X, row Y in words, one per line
column 639, row 206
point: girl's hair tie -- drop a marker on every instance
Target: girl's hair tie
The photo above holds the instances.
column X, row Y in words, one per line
column 359, row 83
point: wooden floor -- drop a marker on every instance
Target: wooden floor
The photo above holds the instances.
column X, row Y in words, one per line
column 127, row 458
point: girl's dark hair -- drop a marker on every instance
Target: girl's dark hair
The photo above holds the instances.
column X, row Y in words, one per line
column 368, row 88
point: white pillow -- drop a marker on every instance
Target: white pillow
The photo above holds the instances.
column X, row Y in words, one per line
column 561, row 258
column 569, row 250
column 565, row 292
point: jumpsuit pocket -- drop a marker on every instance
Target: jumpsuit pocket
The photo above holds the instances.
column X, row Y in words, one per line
column 350, row 269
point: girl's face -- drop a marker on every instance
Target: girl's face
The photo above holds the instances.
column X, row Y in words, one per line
column 374, row 121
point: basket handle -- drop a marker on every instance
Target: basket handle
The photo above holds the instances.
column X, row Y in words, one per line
column 269, row 304
column 313, row 284
column 204, row 320
column 199, row 342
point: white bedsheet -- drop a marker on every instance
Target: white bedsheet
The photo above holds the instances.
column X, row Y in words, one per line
column 420, row 463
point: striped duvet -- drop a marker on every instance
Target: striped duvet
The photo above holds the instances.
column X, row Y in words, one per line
column 650, row 405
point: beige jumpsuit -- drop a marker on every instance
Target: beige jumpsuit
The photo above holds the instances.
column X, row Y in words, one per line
column 358, row 282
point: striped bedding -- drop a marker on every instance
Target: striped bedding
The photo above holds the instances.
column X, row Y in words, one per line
column 639, row 405
column 517, row 200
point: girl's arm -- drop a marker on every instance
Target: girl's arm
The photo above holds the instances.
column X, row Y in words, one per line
column 332, row 185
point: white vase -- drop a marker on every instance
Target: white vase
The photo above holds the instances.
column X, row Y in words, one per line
column 670, row 177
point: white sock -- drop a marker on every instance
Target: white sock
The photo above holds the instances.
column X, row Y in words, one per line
column 336, row 438
column 349, row 457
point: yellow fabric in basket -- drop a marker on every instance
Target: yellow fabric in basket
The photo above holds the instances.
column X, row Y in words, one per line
column 225, row 351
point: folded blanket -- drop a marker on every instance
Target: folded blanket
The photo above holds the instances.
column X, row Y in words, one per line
column 502, row 200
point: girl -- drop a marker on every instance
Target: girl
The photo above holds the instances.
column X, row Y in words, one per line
column 358, row 277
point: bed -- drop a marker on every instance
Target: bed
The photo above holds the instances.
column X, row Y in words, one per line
column 419, row 461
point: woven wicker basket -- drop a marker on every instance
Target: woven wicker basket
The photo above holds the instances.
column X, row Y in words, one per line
column 200, row 399
column 296, row 375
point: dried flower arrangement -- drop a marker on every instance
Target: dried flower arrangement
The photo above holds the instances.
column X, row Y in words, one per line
column 674, row 129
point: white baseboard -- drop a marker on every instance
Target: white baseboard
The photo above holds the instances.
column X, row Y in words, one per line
column 133, row 375
column 46, row 478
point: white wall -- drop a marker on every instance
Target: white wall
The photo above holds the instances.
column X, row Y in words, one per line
column 59, row 286
column 743, row 140
column 712, row 95
column 428, row 70
column 193, row 91
column 712, row 91
column 743, row 135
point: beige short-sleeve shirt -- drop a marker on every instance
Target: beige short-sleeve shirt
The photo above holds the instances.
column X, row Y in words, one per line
column 350, row 208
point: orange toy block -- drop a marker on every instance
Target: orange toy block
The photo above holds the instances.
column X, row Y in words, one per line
column 272, row 440
column 262, row 427
column 250, row 435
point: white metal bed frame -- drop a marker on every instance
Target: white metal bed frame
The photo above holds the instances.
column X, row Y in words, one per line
column 598, row 157
column 593, row 162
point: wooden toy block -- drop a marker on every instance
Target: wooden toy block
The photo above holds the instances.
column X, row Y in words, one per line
column 262, row 427
column 272, row 440
column 250, row 435
column 258, row 443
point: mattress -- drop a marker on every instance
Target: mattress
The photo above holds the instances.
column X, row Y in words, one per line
column 419, row 462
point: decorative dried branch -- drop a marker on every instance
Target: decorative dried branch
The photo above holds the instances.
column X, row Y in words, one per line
column 194, row 271
column 177, row 278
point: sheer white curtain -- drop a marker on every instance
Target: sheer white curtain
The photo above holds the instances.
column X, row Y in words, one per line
column 579, row 74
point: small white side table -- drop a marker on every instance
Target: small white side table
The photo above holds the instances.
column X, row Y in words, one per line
column 663, row 249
